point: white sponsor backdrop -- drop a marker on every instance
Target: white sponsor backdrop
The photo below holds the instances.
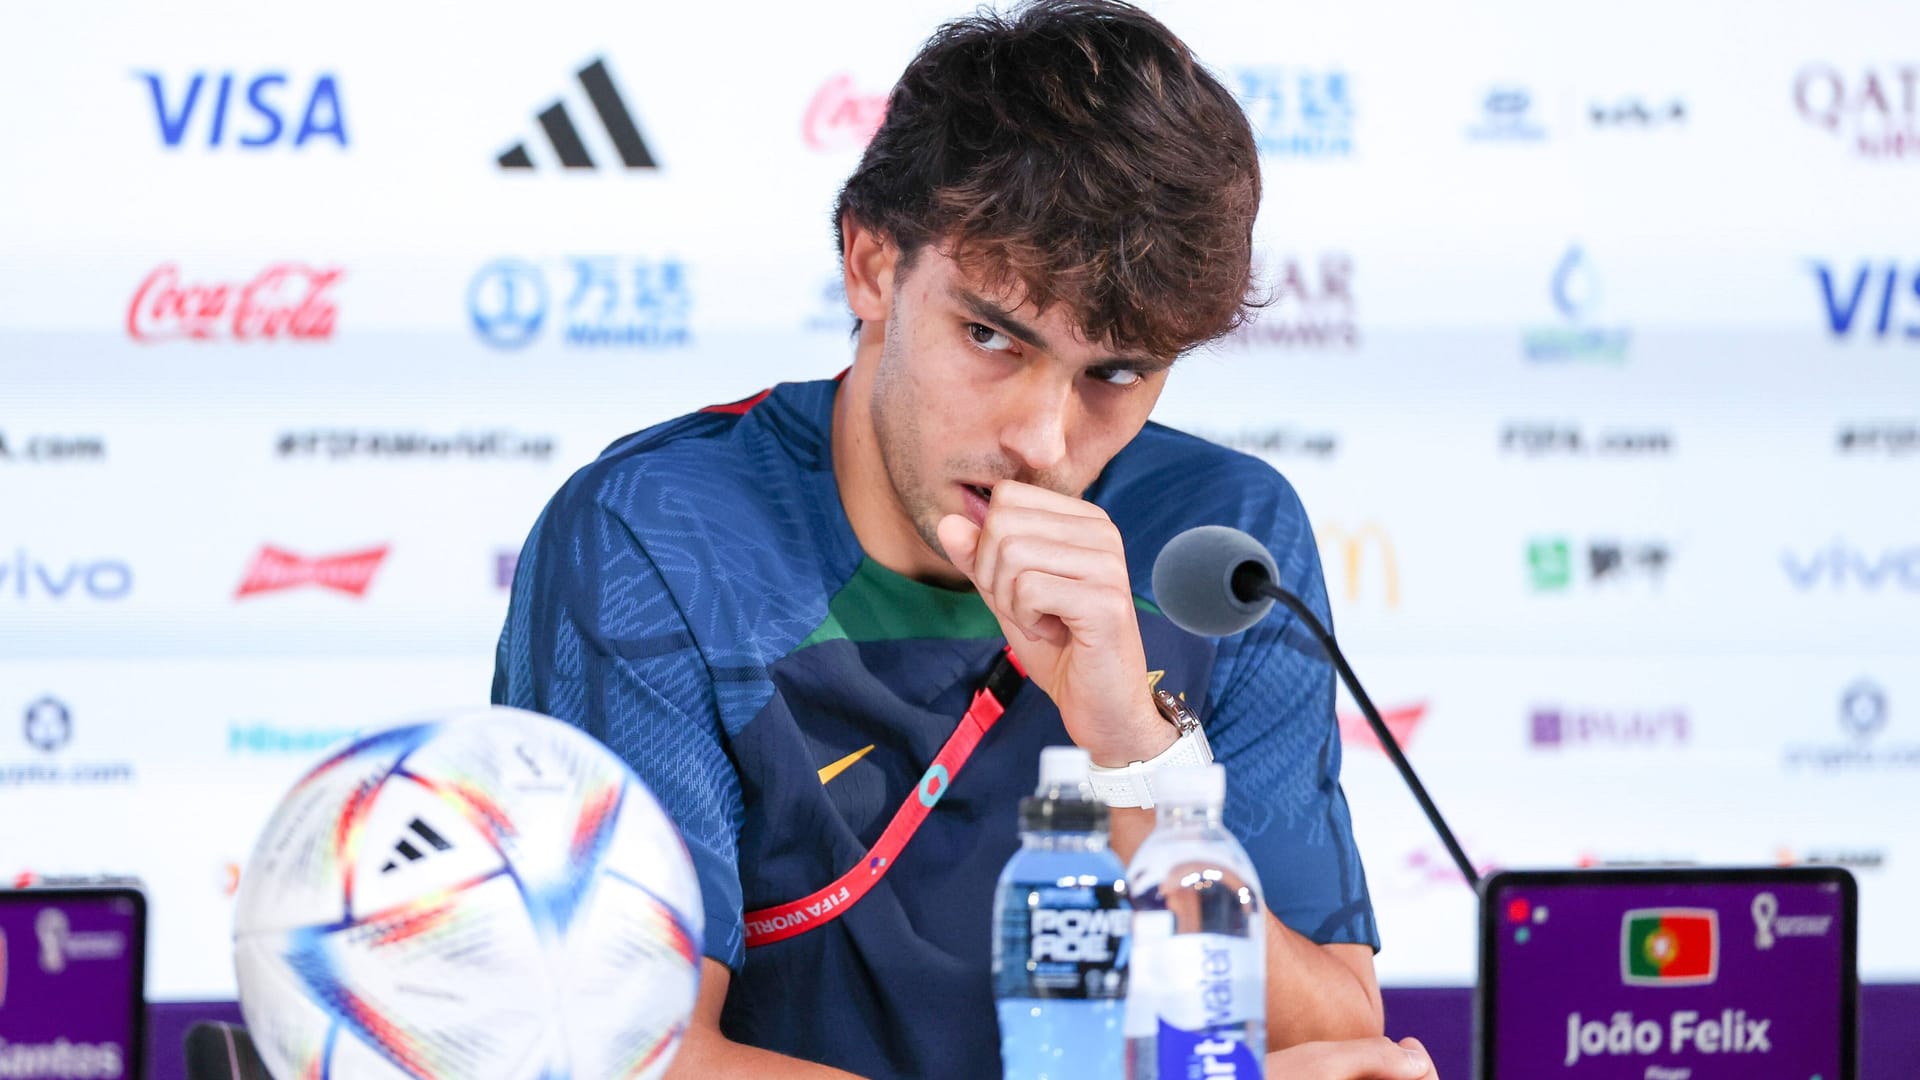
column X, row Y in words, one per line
column 1595, row 357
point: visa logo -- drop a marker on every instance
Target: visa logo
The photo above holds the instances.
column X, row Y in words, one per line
column 1840, row 563
column 267, row 107
column 1865, row 297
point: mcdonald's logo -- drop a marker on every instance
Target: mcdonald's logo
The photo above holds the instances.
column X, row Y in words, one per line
column 1350, row 573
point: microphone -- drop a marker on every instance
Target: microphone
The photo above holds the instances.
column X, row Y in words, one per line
column 1216, row 581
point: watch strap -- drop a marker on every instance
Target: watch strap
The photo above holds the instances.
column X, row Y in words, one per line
column 1132, row 785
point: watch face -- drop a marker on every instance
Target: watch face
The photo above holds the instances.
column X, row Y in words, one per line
column 1176, row 712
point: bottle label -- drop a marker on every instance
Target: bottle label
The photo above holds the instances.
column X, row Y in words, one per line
column 1075, row 941
column 1211, row 1054
column 1199, row 995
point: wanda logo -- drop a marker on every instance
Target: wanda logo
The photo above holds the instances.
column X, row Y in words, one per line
column 276, row 569
column 286, row 300
column 840, row 117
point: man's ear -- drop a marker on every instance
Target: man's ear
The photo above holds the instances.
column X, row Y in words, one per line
column 868, row 260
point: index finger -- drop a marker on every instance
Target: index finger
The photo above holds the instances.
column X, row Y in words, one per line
column 1035, row 497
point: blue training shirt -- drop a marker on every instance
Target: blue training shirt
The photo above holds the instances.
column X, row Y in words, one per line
column 696, row 599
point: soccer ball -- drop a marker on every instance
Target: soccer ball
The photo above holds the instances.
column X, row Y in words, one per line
column 486, row 894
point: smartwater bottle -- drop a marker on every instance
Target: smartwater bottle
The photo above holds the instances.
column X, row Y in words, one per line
column 1061, row 919
column 1198, row 1004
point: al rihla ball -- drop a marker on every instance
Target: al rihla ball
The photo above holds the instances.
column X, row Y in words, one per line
column 489, row 893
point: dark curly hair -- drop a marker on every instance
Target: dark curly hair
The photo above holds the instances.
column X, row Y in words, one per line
column 1074, row 149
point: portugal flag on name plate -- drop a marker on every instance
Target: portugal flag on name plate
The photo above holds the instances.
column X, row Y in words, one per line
column 1670, row 947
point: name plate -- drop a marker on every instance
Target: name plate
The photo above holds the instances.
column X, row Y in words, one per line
column 72, row 982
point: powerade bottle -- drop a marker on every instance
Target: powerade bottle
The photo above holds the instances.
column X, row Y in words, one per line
column 1061, row 920
column 1198, row 1003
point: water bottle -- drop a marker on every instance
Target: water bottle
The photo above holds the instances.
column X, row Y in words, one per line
column 1198, row 1003
column 1061, row 919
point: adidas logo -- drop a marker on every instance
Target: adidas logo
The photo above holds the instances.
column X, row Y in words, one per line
column 565, row 138
column 406, row 850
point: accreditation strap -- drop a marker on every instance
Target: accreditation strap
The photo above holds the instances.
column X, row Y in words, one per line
column 782, row 921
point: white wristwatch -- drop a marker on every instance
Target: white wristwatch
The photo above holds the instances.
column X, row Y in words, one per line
column 1133, row 785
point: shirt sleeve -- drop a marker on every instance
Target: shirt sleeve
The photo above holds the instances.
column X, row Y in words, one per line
column 594, row 637
column 1271, row 722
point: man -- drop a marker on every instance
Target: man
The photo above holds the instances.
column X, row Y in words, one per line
column 778, row 611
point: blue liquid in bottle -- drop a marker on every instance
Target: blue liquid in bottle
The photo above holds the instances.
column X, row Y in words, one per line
column 1061, row 923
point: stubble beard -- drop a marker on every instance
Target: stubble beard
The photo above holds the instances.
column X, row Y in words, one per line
column 894, row 413
column 895, row 416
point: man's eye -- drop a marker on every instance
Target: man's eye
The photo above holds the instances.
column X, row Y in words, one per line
column 1116, row 376
column 988, row 338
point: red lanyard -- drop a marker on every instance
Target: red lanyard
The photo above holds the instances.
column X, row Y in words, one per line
column 782, row 921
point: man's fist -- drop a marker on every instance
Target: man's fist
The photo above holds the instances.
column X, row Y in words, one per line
column 1353, row 1059
column 1052, row 570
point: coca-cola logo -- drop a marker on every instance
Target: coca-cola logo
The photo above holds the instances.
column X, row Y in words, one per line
column 276, row 569
column 840, row 117
column 286, row 300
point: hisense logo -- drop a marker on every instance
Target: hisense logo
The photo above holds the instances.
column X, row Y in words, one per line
column 272, row 739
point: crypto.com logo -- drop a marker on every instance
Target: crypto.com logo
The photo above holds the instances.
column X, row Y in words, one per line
column 48, row 725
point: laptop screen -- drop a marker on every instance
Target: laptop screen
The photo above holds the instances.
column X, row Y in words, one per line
column 71, row 993
column 1667, row 975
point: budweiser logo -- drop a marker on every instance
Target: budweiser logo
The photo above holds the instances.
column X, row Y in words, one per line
column 284, row 300
column 840, row 117
column 1355, row 731
column 274, row 569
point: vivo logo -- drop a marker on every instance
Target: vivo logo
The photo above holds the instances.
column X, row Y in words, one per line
column 102, row 579
column 1841, row 563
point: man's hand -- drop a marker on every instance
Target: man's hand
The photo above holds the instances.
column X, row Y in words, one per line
column 1353, row 1059
column 1052, row 569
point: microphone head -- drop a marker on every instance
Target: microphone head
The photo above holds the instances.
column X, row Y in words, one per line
column 1193, row 580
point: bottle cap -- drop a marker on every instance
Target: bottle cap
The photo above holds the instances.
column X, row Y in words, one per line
column 1190, row 785
column 1063, row 767
column 1039, row 813
column 1064, row 801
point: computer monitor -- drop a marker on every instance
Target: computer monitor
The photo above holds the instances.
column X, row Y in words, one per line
column 1653, row 974
column 72, row 979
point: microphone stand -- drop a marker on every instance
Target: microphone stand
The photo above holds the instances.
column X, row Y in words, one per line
column 1249, row 580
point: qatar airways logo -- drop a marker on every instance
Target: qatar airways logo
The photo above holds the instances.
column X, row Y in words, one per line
column 285, row 300
column 276, row 570
column 1875, row 110
column 841, row 116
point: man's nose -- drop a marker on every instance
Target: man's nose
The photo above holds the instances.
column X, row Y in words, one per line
column 1037, row 422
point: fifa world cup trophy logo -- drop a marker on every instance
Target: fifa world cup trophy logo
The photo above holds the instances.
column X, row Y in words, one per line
column 51, row 927
column 1765, row 907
